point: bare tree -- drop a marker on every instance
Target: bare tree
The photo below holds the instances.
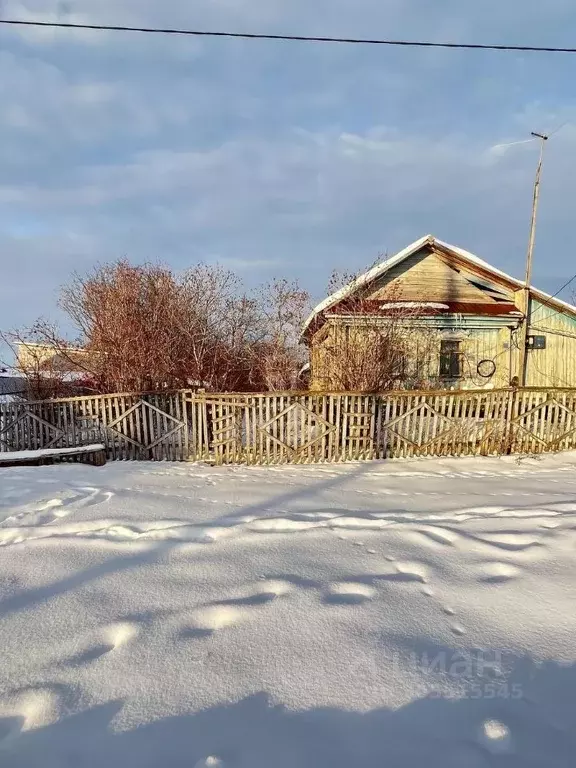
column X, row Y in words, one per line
column 144, row 327
column 373, row 346
column 284, row 308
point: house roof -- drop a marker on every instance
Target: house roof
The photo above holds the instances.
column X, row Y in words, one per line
column 12, row 385
column 383, row 267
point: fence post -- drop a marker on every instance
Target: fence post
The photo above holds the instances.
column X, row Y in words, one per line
column 508, row 436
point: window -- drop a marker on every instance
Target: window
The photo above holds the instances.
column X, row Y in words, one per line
column 399, row 367
column 450, row 359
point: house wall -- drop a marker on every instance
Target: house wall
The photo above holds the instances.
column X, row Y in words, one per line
column 33, row 358
column 328, row 353
column 485, row 344
column 30, row 357
column 554, row 366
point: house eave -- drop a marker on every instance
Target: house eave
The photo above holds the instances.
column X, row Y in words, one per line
column 445, row 321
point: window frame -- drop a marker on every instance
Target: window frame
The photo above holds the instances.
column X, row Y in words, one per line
column 450, row 362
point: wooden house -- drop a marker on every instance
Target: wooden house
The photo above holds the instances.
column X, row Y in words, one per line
column 474, row 320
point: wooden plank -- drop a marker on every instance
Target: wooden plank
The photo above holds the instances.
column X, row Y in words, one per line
column 127, row 410
column 261, row 428
column 190, row 446
column 180, row 412
column 204, row 426
column 66, row 425
column 324, row 404
column 564, row 422
column 201, row 450
column 266, row 458
column 311, row 435
column 248, row 422
column 98, row 407
column 255, row 416
column 168, row 427
column 447, row 446
column 333, row 434
column 140, row 416
column 346, row 427
column 112, row 411
column 274, row 429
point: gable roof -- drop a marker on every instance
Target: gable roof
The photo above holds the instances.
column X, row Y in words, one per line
column 381, row 269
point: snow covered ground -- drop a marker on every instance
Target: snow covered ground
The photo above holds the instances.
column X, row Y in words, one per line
column 417, row 613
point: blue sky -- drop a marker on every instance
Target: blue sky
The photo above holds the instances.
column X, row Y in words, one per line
column 278, row 158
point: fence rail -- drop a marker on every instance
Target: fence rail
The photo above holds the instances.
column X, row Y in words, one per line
column 297, row 427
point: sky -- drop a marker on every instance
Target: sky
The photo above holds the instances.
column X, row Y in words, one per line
column 278, row 159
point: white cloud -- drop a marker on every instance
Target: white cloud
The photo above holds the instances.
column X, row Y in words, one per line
column 273, row 157
column 248, row 190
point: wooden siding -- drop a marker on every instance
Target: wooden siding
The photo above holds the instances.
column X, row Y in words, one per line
column 298, row 427
column 425, row 276
column 486, row 344
column 476, row 345
column 554, row 366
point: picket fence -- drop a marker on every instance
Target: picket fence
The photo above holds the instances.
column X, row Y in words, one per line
column 297, row 427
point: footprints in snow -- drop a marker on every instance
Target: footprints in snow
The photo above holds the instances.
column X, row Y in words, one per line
column 431, row 530
column 51, row 510
column 495, row 737
column 220, row 614
column 210, row 762
column 28, row 709
column 496, row 573
column 107, row 640
column 348, row 594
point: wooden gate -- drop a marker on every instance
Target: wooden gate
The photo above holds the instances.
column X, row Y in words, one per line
column 130, row 426
column 264, row 429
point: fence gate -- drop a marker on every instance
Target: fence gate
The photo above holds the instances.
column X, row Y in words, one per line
column 26, row 425
column 268, row 429
column 152, row 427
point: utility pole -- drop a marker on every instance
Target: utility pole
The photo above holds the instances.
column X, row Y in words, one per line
column 526, row 300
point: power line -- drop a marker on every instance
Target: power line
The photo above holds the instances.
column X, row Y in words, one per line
column 566, row 284
column 291, row 38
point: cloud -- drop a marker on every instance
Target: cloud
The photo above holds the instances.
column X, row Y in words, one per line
column 265, row 194
column 330, row 15
column 275, row 158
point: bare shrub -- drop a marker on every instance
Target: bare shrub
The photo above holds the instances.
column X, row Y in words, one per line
column 146, row 328
column 373, row 349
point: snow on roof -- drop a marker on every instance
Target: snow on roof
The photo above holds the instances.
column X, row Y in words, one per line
column 383, row 267
column 414, row 305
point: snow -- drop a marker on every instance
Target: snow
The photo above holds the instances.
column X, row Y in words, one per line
column 42, row 453
column 414, row 304
column 401, row 613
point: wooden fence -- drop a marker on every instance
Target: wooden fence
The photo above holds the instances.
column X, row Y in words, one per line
column 298, row 427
